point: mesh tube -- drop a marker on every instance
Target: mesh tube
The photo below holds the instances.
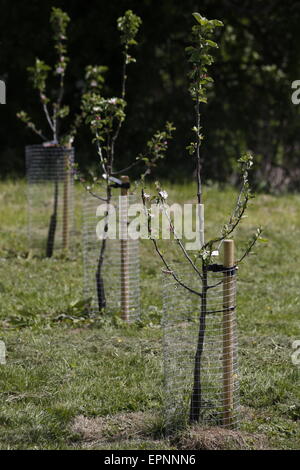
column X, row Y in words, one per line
column 200, row 351
column 50, row 197
column 118, row 283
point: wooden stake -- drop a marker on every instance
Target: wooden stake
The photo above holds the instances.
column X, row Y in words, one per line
column 124, row 251
column 65, row 228
column 228, row 332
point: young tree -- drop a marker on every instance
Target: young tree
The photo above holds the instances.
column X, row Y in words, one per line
column 54, row 109
column 200, row 57
column 105, row 117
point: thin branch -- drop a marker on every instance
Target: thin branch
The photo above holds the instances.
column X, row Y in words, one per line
column 171, row 271
column 229, row 232
column 36, row 131
column 61, row 90
column 127, row 168
column 99, row 149
column 124, row 79
column 250, row 246
column 124, row 73
column 96, row 196
column 235, row 211
column 49, row 120
column 181, row 244
column 215, row 285
column 58, row 104
column 110, row 153
column 182, row 284
column 199, row 182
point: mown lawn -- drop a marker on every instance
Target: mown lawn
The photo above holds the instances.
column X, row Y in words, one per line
column 73, row 382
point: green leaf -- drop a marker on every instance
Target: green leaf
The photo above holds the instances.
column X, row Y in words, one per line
column 200, row 19
column 211, row 43
column 190, row 49
column 216, row 23
column 263, row 240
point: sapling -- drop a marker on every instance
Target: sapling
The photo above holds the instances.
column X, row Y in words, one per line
column 55, row 111
column 200, row 58
column 105, row 116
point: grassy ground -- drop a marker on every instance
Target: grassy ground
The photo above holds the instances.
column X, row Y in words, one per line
column 73, row 382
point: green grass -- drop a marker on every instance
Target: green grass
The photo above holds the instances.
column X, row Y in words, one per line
column 62, row 365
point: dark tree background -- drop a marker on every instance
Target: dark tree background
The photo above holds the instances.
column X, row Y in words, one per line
column 249, row 108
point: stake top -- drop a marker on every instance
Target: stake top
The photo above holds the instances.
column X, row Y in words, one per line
column 126, row 184
column 228, row 253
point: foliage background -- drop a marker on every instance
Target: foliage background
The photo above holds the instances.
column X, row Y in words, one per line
column 249, row 107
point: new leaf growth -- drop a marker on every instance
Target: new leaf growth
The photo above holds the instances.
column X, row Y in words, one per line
column 53, row 107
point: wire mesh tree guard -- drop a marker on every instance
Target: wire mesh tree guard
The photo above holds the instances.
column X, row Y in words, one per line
column 200, row 341
column 200, row 348
column 115, row 286
column 50, row 197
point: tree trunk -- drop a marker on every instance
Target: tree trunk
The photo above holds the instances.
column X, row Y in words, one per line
column 196, row 399
column 52, row 224
column 99, row 279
